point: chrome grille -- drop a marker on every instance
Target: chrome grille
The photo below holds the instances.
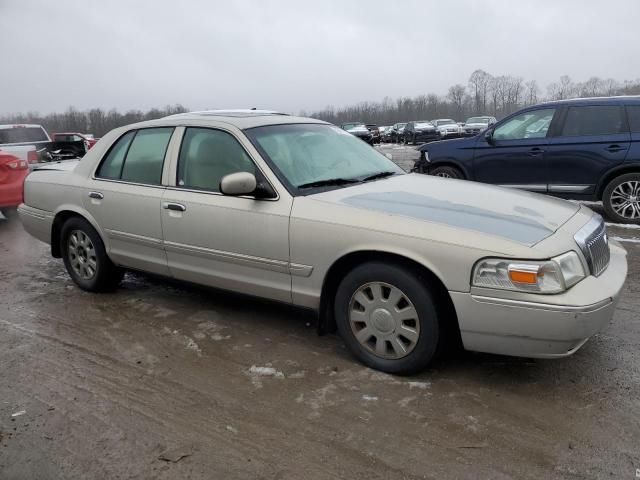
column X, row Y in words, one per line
column 594, row 243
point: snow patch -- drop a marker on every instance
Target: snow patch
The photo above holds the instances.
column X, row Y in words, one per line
column 369, row 398
column 266, row 372
column 627, row 240
column 419, row 385
column 192, row 345
column 624, row 225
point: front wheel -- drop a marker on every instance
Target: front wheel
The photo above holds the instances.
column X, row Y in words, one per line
column 621, row 199
column 85, row 257
column 388, row 318
column 446, row 172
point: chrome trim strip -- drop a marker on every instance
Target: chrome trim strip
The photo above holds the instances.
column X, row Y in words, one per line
column 532, row 186
column 238, row 258
column 505, row 302
column 569, row 188
column 299, row 270
column 132, row 237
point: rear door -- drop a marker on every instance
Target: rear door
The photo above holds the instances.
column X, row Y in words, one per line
column 515, row 156
column 590, row 141
column 125, row 194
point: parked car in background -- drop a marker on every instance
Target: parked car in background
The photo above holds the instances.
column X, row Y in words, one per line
column 375, row 132
column 295, row 210
column 475, row 125
column 447, row 128
column 32, row 143
column 420, row 131
column 584, row 149
column 397, row 132
column 359, row 130
column 387, row 134
column 24, row 141
column 13, row 171
column 87, row 138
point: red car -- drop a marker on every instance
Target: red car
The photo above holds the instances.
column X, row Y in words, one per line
column 13, row 171
column 87, row 138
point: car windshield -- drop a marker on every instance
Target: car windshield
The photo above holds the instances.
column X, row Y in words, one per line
column 351, row 126
column 309, row 153
column 423, row 124
column 484, row 120
column 444, row 122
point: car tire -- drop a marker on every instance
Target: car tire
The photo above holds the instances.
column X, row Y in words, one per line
column 85, row 257
column 446, row 172
column 383, row 345
column 621, row 190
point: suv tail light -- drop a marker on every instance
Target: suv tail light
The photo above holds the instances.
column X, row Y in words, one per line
column 32, row 156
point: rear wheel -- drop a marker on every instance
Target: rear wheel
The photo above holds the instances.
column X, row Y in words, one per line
column 388, row 318
column 621, row 199
column 85, row 257
column 447, row 172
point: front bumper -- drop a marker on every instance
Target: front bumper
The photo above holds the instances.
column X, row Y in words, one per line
column 538, row 325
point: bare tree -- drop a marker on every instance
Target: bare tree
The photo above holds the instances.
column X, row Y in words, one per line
column 479, row 88
column 456, row 96
column 531, row 92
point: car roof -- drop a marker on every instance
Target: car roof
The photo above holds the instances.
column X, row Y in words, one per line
column 617, row 100
column 239, row 118
column 20, row 125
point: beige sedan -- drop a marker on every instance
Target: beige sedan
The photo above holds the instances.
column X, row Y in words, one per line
column 299, row 211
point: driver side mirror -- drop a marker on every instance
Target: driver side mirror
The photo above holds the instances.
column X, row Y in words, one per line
column 245, row 183
column 488, row 136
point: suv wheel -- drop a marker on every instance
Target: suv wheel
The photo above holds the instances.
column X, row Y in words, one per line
column 85, row 257
column 621, row 199
column 447, row 172
column 388, row 318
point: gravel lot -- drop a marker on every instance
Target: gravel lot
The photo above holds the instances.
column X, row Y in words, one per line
column 163, row 380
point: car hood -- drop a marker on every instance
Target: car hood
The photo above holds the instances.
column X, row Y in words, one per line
column 476, row 125
column 521, row 217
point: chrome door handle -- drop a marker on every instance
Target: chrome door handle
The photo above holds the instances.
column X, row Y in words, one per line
column 96, row 195
column 178, row 207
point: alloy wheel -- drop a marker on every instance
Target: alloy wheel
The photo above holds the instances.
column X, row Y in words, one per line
column 82, row 255
column 625, row 200
column 383, row 320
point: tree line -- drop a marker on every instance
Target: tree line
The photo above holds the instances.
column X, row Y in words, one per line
column 483, row 94
column 95, row 120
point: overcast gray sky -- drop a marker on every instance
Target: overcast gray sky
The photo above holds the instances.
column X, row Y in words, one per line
column 292, row 55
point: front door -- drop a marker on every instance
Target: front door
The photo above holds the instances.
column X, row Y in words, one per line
column 124, row 197
column 515, row 155
column 234, row 243
column 593, row 139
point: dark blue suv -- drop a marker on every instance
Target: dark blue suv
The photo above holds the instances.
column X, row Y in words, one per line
column 584, row 149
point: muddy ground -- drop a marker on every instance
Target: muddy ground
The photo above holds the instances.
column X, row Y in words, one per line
column 163, row 380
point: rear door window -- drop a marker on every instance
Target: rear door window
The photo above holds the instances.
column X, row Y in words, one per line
column 593, row 120
column 138, row 156
column 111, row 167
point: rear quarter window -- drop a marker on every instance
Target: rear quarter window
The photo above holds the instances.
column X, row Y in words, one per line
column 633, row 113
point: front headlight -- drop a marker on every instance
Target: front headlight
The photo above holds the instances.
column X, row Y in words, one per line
column 548, row 276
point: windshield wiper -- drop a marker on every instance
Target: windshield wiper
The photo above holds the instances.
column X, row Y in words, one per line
column 329, row 182
column 378, row 175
